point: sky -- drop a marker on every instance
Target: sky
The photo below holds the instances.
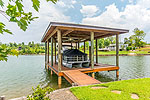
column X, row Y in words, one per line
column 126, row 14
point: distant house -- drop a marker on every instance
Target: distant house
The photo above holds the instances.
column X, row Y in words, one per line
column 112, row 47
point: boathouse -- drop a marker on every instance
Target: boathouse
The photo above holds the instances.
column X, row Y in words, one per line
column 58, row 33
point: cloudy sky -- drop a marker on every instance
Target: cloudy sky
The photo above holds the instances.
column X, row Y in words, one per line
column 127, row 14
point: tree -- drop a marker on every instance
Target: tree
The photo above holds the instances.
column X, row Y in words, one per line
column 15, row 12
column 139, row 36
column 107, row 42
column 101, row 43
column 112, row 40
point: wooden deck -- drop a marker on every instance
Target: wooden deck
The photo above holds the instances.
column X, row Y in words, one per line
column 77, row 76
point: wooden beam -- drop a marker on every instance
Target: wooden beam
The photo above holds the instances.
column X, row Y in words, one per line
column 89, row 30
column 51, row 51
column 96, row 51
column 67, row 32
column 55, row 30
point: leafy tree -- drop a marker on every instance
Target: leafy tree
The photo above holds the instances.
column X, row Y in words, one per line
column 86, row 45
column 15, row 12
column 4, row 51
column 101, row 43
column 107, row 42
column 139, row 36
column 136, row 39
column 112, row 40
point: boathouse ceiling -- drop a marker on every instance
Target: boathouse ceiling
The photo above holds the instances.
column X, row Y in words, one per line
column 79, row 33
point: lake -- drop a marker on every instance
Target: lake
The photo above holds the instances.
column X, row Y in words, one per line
column 19, row 75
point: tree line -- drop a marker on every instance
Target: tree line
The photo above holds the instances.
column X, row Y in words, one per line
column 20, row 49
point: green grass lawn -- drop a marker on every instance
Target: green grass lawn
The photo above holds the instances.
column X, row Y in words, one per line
column 141, row 87
column 120, row 52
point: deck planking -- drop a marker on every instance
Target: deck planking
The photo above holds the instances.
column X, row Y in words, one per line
column 79, row 78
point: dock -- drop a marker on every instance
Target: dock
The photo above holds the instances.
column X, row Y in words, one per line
column 78, row 76
column 58, row 33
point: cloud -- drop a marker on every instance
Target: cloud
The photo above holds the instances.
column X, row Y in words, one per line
column 137, row 15
column 89, row 10
column 66, row 3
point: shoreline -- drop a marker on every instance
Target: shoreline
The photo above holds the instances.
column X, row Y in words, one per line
column 98, row 55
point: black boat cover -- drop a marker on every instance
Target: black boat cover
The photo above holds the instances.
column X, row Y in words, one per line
column 73, row 52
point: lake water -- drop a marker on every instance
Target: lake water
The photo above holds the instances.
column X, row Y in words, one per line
column 19, row 75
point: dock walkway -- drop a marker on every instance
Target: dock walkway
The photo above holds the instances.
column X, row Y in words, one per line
column 79, row 78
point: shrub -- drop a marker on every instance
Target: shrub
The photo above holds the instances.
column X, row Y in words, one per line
column 39, row 93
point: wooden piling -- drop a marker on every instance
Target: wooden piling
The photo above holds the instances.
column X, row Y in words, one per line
column 92, row 53
column 51, row 51
column 117, row 55
column 96, row 52
column 84, row 46
column 2, row 98
column 59, row 54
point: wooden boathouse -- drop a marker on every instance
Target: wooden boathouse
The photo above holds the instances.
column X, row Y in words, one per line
column 58, row 33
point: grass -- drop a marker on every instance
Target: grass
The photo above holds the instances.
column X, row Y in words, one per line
column 145, row 51
column 141, row 87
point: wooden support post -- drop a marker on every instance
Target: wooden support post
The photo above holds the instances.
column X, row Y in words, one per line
column 59, row 54
column 59, row 80
column 84, row 46
column 78, row 45
column 93, row 75
column 71, row 44
column 92, row 53
column 96, row 52
column 2, row 98
column 117, row 55
column 51, row 51
column 51, row 72
column 45, row 54
column 55, row 51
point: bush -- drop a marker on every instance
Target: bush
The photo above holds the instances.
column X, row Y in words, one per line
column 128, row 48
column 40, row 93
